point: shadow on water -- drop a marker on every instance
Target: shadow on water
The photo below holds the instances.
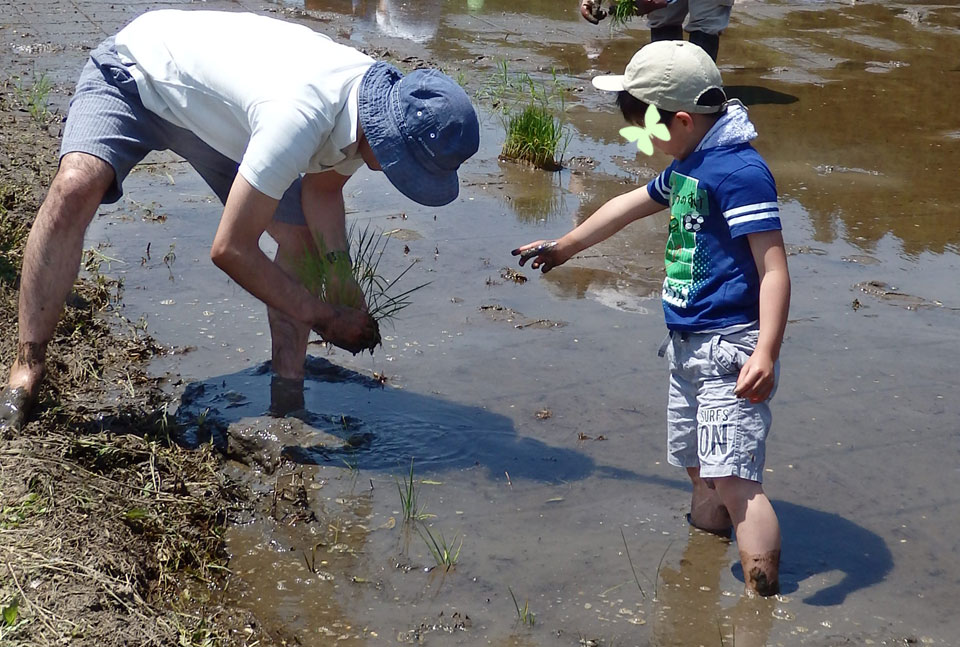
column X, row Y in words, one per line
column 752, row 95
column 819, row 543
column 346, row 418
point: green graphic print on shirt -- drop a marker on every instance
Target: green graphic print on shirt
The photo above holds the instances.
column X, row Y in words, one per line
column 685, row 262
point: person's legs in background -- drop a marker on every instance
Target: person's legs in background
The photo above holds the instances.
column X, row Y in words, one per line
column 708, row 19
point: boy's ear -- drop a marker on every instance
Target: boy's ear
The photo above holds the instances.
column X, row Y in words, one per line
column 685, row 119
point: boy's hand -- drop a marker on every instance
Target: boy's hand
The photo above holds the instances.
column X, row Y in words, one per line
column 544, row 254
column 756, row 379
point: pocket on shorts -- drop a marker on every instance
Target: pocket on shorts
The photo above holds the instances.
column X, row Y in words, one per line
column 727, row 356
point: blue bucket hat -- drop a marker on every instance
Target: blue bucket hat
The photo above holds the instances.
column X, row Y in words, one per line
column 421, row 127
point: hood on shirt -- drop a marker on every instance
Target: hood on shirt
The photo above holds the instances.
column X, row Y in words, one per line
column 733, row 128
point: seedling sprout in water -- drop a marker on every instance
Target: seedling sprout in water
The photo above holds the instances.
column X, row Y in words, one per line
column 337, row 279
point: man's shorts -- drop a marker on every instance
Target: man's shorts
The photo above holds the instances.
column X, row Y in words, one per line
column 708, row 16
column 707, row 425
column 108, row 120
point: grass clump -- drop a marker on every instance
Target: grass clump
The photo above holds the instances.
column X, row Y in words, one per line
column 534, row 133
column 534, row 136
column 354, row 278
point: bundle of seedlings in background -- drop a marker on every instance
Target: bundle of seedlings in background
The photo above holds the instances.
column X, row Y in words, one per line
column 620, row 12
column 350, row 279
column 529, row 108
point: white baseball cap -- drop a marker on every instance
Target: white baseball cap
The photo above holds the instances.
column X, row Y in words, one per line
column 671, row 75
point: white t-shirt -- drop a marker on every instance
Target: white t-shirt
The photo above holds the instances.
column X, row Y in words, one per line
column 279, row 98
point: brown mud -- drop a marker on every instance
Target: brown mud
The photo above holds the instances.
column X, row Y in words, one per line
column 287, row 527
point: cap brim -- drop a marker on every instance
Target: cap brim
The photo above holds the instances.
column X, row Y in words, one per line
column 609, row 82
column 378, row 106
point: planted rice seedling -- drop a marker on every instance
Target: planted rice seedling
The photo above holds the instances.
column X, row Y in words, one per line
column 524, row 615
column 410, row 507
column 444, row 554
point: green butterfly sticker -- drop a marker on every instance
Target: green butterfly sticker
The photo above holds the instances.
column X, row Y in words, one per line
column 643, row 135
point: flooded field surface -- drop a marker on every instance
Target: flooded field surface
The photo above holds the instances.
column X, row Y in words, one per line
column 532, row 408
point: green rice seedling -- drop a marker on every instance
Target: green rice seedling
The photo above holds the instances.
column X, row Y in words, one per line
column 534, row 136
column 332, row 276
column 410, row 507
column 524, row 615
column 444, row 554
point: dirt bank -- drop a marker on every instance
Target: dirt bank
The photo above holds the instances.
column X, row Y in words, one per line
column 110, row 534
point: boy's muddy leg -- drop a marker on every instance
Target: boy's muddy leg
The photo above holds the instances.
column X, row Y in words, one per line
column 761, row 572
column 51, row 260
column 707, row 511
column 757, row 530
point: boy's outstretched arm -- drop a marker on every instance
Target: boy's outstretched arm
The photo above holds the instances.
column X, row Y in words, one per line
column 756, row 378
column 614, row 215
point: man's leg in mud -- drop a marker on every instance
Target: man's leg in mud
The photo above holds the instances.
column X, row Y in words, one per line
column 50, row 263
column 757, row 530
column 288, row 336
column 707, row 511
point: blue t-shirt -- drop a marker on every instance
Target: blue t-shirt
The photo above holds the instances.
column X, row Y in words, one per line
column 716, row 196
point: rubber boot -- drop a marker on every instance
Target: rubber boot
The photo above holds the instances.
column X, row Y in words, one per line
column 761, row 573
column 710, row 43
column 668, row 32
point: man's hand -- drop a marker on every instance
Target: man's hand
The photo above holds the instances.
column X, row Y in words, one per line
column 756, row 379
column 592, row 11
column 348, row 328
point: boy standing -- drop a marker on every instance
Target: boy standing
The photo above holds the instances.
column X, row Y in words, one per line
column 725, row 295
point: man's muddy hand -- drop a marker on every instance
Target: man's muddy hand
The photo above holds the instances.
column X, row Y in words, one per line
column 350, row 329
column 592, row 11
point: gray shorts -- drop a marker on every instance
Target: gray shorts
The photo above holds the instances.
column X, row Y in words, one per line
column 708, row 16
column 106, row 119
column 707, row 425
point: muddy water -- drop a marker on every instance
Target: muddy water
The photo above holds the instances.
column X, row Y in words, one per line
column 534, row 411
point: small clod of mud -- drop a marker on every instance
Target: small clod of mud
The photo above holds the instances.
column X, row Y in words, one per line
column 893, row 296
column 860, row 259
column 456, row 623
column 403, row 234
column 510, row 274
column 519, row 320
column 793, row 250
